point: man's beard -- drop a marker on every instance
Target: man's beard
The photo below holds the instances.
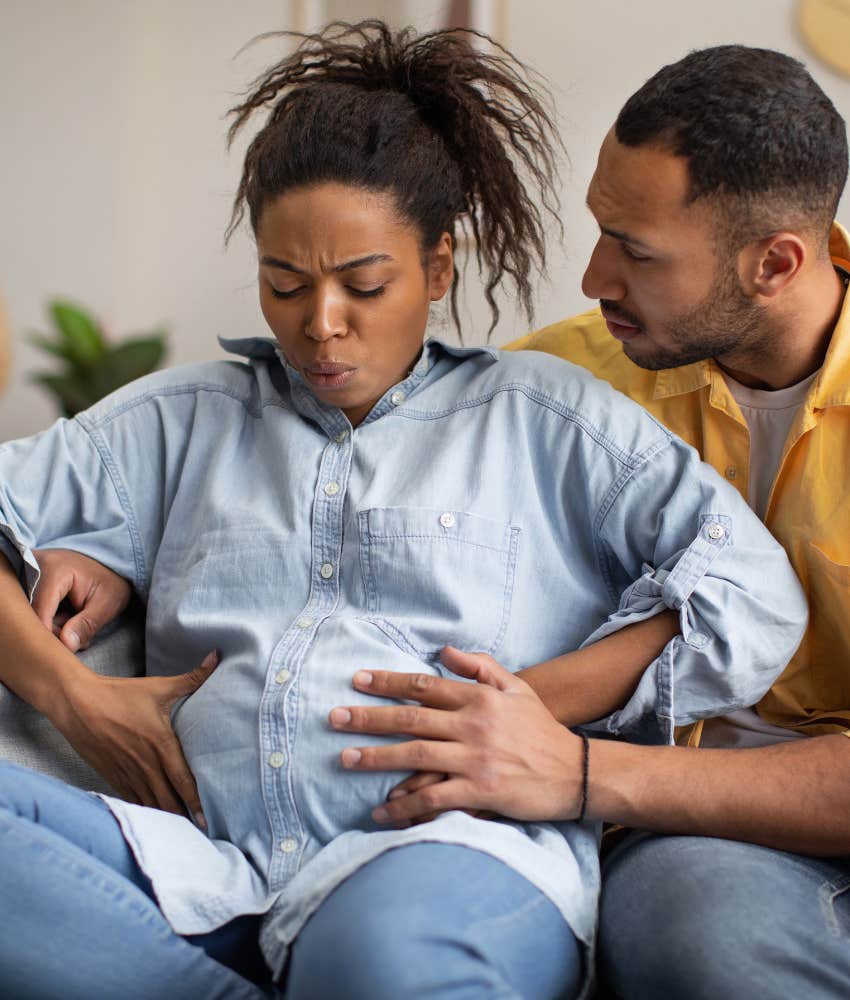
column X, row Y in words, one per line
column 722, row 323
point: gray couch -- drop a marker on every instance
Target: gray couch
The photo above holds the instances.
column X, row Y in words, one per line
column 27, row 737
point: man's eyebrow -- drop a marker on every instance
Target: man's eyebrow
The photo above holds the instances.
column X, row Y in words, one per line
column 623, row 237
column 348, row 265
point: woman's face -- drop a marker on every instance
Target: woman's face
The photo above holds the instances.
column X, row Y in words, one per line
column 345, row 291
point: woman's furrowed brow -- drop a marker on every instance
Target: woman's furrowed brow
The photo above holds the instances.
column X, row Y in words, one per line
column 347, row 265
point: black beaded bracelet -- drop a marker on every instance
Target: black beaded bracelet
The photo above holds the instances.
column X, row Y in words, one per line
column 585, row 771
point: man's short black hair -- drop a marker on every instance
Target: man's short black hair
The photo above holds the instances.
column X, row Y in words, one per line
column 757, row 131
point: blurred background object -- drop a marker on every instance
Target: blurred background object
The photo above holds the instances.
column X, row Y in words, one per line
column 91, row 366
column 5, row 348
column 115, row 184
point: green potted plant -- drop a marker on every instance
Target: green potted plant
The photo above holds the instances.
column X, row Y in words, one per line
column 92, row 366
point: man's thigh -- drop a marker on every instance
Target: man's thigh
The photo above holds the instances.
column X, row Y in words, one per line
column 701, row 917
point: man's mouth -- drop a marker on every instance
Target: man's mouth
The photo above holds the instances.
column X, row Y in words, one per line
column 328, row 374
column 619, row 326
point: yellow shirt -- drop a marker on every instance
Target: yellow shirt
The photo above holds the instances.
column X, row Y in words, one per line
column 809, row 506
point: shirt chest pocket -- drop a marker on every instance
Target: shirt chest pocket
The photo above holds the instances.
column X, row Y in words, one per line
column 438, row 577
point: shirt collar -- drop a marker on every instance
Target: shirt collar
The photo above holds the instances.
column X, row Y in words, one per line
column 831, row 388
column 330, row 418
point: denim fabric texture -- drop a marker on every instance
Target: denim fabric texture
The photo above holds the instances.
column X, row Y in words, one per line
column 502, row 502
column 706, row 918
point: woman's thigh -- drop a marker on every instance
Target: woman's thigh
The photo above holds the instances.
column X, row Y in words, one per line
column 438, row 921
column 79, row 917
column 703, row 917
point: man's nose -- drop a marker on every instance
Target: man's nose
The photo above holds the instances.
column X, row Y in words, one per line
column 602, row 278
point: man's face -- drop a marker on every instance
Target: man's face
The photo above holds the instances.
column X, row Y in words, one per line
column 665, row 292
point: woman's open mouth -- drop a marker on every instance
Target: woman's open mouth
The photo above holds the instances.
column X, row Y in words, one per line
column 329, row 374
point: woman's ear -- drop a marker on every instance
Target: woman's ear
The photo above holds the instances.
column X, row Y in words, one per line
column 767, row 267
column 440, row 267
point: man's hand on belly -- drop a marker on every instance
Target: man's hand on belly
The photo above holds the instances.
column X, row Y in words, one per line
column 498, row 745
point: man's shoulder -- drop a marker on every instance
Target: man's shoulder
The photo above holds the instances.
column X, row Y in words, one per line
column 585, row 341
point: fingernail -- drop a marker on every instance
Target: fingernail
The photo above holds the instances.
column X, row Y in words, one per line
column 340, row 716
column 211, row 659
column 380, row 815
column 201, row 821
column 363, row 678
column 397, row 793
column 350, row 757
column 73, row 641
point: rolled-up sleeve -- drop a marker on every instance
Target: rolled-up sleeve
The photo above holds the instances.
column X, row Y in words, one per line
column 677, row 536
column 58, row 489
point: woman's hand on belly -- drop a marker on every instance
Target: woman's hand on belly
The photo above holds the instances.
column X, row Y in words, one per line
column 122, row 727
column 496, row 741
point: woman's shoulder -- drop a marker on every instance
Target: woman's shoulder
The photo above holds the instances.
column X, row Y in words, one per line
column 179, row 386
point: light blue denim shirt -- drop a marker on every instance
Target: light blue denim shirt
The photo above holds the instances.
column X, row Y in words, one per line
column 509, row 503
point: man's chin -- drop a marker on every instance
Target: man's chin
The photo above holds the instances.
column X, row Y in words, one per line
column 651, row 360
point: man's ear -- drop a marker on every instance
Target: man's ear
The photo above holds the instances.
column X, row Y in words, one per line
column 767, row 267
column 440, row 267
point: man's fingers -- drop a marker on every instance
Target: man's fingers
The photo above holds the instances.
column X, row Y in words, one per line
column 412, row 755
column 455, row 793
column 415, row 782
column 479, row 667
column 407, row 720
column 427, row 689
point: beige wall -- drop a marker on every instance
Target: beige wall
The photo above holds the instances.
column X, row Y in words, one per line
column 115, row 186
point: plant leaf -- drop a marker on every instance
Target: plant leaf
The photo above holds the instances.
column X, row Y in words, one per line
column 83, row 340
column 130, row 361
column 71, row 391
column 56, row 347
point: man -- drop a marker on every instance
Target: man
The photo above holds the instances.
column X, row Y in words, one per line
column 722, row 286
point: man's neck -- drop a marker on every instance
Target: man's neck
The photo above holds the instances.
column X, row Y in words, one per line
column 796, row 344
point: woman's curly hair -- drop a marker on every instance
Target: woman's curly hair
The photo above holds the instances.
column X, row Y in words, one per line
column 446, row 127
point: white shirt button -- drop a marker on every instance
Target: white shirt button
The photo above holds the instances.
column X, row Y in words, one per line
column 447, row 520
column 281, row 677
column 341, row 437
column 716, row 531
column 731, row 472
column 327, row 571
column 276, row 759
column 397, row 397
column 305, row 622
column 332, row 489
column 289, row 845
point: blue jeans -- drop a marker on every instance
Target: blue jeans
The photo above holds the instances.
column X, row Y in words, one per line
column 79, row 920
column 700, row 918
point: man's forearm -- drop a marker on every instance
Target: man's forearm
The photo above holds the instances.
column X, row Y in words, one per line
column 791, row 796
column 590, row 683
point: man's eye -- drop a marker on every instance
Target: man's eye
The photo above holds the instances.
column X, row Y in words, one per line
column 290, row 293
column 367, row 293
column 627, row 250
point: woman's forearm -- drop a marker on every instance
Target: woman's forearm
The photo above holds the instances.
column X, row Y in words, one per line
column 34, row 664
column 590, row 683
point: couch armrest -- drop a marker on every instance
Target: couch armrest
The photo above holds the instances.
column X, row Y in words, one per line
column 29, row 738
